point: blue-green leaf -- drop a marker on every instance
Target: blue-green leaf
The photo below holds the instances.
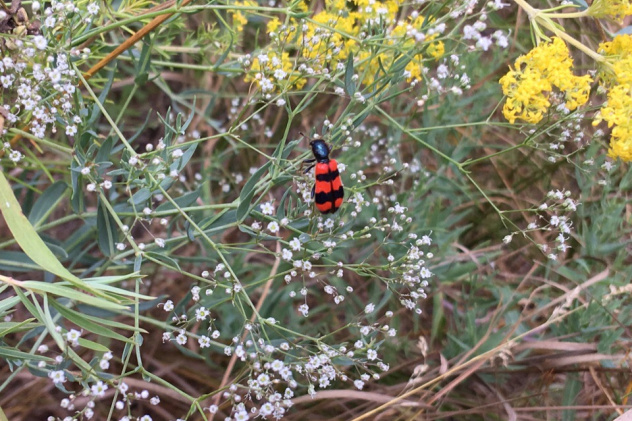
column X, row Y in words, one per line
column 106, row 229
column 350, row 85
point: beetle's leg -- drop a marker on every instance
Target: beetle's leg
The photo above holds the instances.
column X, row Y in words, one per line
column 308, row 161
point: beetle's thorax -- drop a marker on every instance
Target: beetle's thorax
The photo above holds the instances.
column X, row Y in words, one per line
column 320, row 150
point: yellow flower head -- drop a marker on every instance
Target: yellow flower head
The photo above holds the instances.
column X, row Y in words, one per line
column 619, row 55
column 616, row 112
column 323, row 43
column 239, row 16
column 615, row 9
column 273, row 25
column 528, row 86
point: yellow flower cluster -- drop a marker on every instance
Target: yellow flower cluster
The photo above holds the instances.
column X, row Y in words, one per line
column 618, row 52
column 325, row 41
column 529, row 85
column 239, row 17
column 617, row 111
column 615, row 9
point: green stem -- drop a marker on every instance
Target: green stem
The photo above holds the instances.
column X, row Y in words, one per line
column 46, row 142
column 105, row 113
column 426, row 144
column 486, row 157
column 539, row 17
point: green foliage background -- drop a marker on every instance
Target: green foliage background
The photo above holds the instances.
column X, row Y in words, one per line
column 505, row 332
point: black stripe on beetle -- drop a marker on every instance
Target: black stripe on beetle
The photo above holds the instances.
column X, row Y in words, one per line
column 323, row 197
column 339, row 194
column 330, row 176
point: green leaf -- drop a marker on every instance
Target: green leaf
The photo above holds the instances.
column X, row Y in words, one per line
column 142, row 74
column 571, row 390
column 47, row 202
column 182, row 201
column 95, row 113
column 222, row 57
column 181, row 162
column 16, row 261
column 72, row 294
column 110, row 323
column 15, row 354
column 111, row 279
column 77, row 198
column 140, row 196
column 10, row 327
column 30, row 241
column 35, row 310
column 8, row 303
column 172, row 264
column 289, row 147
column 84, row 366
column 106, row 230
column 248, row 191
column 92, row 345
column 350, row 85
column 83, row 322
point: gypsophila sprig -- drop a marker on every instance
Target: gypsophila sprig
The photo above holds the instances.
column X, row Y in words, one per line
column 37, row 80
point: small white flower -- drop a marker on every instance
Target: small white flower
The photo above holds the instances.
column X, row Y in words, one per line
column 15, row 156
column 273, row 227
column 267, row 208
column 71, row 130
column 295, row 244
column 201, row 314
column 93, row 8
column 99, row 389
column 204, row 341
column 40, row 42
column 286, row 255
column 57, row 376
column 73, row 335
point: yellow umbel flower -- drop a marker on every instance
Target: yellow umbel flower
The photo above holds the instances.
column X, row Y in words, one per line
column 323, row 44
column 619, row 54
column 617, row 78
column 239, row 16
column 529, row 85
column 615, row 9
column 617, row 113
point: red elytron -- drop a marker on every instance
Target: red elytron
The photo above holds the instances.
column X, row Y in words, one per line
column 327, row 192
